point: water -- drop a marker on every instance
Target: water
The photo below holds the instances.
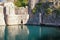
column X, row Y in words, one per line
column 18, row 32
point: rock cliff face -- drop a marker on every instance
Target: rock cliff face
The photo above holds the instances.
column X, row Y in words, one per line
column 51, row 19
column 35, row 19
column 48, row 19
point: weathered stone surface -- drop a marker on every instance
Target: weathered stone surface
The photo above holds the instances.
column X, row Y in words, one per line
column 10, row 8
column 12, row 19
column 16, row 19
column 23, row 18
column 35, row 19
column 2, row 22
column 51, row 19
column 22, row 12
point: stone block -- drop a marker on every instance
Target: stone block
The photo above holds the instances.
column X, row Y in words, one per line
column 2, row 21
column 9, row 8
column 12, row 19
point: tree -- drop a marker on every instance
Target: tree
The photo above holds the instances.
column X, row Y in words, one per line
column 21, row 3
column 26, row 2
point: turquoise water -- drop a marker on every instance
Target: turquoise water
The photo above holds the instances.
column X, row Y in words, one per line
column 29, row 32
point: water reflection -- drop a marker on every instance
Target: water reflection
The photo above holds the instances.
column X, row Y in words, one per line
column 17, row 32
column 33, row 32
column 2, row 30
column 50, row 33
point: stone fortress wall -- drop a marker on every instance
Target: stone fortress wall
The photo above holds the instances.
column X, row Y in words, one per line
column 12, row 18
column 23, row 14
column 2, row 22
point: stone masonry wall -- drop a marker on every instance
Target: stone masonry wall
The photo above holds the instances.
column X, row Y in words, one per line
column 26, row 17
column 23, row 14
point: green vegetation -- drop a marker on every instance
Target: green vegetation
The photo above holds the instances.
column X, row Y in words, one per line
column 38, row 5
column 46, row 7
column 48, row 11
column 34, row 10
column 21, row 3
column 43, row 1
